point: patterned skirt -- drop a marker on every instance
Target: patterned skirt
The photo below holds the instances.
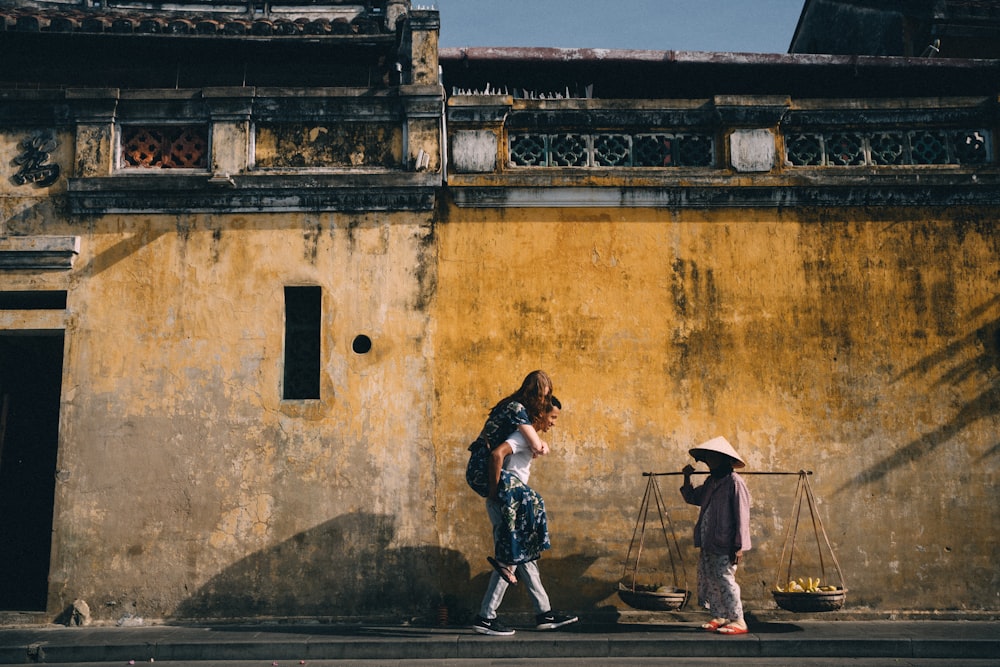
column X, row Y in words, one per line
column 523, row 534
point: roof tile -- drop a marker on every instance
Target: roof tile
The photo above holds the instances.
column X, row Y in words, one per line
column 201, row 17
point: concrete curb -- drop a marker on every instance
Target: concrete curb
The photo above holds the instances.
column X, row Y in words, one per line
column 951, row 640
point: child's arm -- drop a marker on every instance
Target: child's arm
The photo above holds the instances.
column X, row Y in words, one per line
column 538, row 446
column 497, row 457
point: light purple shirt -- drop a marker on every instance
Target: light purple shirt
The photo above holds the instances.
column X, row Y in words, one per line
column 724, row 520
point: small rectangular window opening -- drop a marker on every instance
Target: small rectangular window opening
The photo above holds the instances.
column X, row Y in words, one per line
column 47, row 300
column 303, row 315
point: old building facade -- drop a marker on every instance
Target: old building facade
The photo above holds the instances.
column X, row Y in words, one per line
column 261, row 280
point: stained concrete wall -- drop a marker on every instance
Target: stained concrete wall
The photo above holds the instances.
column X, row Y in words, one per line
column 860, row 344
column 190, row 487
column 857, row 342
column 186, row 486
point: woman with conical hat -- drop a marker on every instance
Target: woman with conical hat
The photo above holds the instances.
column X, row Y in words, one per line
column 722, row 532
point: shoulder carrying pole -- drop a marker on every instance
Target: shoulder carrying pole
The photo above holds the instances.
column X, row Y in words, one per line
column 705, row 472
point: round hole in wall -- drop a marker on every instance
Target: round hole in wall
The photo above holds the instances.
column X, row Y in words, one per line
column 362, row 344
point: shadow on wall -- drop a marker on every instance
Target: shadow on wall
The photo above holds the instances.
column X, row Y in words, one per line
column 344, row 567
column 952, row 365
column 347, row 568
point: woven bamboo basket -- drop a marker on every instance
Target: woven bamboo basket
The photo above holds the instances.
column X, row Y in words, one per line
column 807, row 601
column 811, row 602
column 665, row 598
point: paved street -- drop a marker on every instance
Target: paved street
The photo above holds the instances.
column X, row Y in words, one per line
column 583, row 662
column 805, row 643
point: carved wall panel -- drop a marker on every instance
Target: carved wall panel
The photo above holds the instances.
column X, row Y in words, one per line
column 341, row 145
column 33, row 160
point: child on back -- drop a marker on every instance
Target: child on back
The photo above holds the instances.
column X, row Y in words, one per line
column 520, row 529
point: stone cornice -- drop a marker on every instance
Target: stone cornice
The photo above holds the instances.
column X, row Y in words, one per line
column 357, row 20
column 679, row 194
column 175, row 193
column 38, row 253
column 105, row 105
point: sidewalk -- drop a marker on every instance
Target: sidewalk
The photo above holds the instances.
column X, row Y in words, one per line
column 294, row 644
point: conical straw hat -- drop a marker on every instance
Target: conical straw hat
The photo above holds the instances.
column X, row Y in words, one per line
column 722, row 446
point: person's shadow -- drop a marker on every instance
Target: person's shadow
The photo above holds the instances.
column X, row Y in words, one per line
column 345, row 568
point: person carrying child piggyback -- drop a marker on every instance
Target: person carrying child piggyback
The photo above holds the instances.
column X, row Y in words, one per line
column 722, row 533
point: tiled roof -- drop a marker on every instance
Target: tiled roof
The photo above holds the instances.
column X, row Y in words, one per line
column 272, row 18
column 978, row 10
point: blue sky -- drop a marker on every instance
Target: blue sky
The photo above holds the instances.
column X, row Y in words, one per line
column 751, row 26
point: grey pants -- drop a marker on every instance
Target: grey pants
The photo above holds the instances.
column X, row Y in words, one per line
column 527, row 574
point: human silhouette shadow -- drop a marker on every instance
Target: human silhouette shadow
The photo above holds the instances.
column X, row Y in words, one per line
column 346, row 570
column 343, row 568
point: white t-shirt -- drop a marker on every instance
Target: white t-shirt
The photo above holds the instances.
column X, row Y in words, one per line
column 518, row 462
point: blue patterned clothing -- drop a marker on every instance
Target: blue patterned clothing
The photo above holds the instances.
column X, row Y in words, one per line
column 523, row 533
column 503, row 419
column 501, row 422
column 527, row 574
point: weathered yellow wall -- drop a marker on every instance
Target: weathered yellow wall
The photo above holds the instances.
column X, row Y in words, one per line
column 861, row 344
column 191, row 487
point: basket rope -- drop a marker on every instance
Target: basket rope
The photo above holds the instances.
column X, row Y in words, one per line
column 652, row 494
column 804, row 492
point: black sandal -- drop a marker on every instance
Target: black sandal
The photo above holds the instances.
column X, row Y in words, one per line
column 507, row 573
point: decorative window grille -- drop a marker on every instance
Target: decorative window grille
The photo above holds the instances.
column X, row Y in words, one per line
column 650, row 150
column 890, row 147
column 612, row 150
column 970, row 147
column 164, row 147
column 529, row 151
column 804, row 150
column 929, row 147
column 568, row 150
column 695, row 150
column 845, row 149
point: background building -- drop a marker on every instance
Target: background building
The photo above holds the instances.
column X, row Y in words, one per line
column 922, row 28
column 266, row 266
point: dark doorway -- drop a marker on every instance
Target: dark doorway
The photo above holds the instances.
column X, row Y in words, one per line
column 30, row 385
